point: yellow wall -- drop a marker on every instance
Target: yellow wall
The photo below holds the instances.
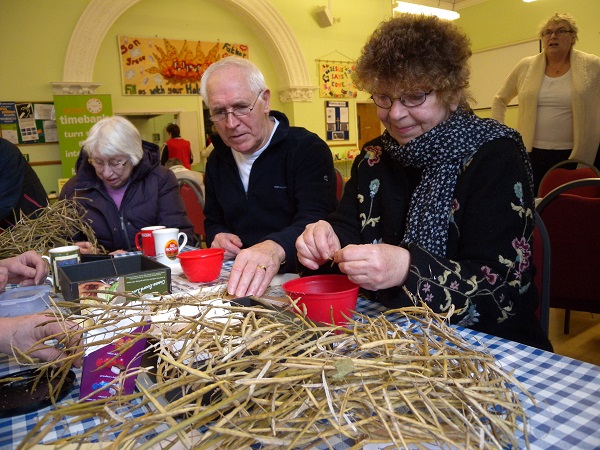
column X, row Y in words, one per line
column 35, row 34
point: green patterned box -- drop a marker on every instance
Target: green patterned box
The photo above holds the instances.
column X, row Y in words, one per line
column 135, row 273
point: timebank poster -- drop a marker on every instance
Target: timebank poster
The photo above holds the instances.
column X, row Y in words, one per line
column 75, row 115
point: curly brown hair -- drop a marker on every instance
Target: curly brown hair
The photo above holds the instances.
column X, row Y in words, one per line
column 411, row 52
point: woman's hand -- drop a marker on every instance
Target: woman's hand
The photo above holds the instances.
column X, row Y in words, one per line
column 374, row 266
column 317, row 244
column 86, row 248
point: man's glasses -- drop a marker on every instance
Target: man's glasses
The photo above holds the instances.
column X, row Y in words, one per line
column 559, row 32
column 237, row 112
column 410, row 100
column 99, row 164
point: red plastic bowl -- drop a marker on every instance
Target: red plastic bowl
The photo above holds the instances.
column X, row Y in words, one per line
column 202, row 265
column 324, row 296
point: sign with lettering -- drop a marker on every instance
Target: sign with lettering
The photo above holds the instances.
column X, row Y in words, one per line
column 75, row 115
column 155, row 66
column 335, row 79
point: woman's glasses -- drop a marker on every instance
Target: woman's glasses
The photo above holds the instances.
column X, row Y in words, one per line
column 410, row 100
column 560, row 32
column 99, row 164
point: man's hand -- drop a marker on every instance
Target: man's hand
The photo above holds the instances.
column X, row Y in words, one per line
column 230, row 242
column 254, row 268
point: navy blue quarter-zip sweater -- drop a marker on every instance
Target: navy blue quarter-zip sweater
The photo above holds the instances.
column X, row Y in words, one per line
column 292, row 184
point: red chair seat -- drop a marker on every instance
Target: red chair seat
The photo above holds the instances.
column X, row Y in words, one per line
column 572, row 222
column 194, row 206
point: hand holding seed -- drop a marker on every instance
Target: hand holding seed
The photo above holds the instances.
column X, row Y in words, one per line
column 317, row 244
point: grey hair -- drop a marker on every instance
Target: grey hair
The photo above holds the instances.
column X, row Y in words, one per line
column 114, row 136
column 561, row 17
column 254, row 77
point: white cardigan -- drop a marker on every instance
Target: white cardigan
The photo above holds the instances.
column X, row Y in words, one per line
column 526, row 80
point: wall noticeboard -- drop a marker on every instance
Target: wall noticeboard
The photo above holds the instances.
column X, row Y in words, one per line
column 28, row 122
column 489, row 69
column 337, row 121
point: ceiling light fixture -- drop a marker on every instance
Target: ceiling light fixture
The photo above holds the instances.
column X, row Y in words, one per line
column 413, row 8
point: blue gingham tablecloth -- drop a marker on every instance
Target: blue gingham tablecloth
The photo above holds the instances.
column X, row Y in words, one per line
column 567, row 393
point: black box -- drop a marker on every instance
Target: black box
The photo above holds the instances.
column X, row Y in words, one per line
column 135, row 273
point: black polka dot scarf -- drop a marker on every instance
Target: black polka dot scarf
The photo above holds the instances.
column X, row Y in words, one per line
column 442, row 152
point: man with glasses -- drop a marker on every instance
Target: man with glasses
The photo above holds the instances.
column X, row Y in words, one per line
column 264, row 181
column 559, row 92
column 123, row 187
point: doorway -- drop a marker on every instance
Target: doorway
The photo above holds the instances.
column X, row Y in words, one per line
column 152, row 126
column 369, row 126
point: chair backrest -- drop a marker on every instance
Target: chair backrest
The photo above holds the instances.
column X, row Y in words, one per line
column 194, row 205
column 542, row 262
column 572, row 222
column 340, row 183
column 562, row 173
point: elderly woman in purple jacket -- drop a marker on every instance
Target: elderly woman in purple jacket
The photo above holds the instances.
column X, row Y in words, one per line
column 123, row 187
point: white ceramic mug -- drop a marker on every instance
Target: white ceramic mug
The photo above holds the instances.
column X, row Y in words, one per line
column 167, row 243
column 61, row 256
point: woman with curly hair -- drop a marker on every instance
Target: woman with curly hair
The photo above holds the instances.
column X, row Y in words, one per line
column 439, row 209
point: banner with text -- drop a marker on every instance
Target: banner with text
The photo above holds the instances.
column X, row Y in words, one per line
column 155, row 66
column 75, row 115
column 335, row 79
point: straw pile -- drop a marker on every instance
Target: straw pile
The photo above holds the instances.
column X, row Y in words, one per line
column 52, row 226
column 254, row 376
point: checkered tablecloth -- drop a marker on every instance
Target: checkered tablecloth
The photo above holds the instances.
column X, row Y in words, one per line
column 567, row 393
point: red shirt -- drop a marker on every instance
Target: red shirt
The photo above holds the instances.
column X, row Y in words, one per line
column 181, row 149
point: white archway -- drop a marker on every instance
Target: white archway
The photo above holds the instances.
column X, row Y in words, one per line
column 261, row 16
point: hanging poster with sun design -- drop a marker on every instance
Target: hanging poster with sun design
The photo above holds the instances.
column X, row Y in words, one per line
column 156, row 66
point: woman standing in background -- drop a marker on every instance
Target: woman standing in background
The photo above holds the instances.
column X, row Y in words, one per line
column 559, row 99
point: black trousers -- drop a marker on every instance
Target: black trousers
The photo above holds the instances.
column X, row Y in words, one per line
column 542, row 160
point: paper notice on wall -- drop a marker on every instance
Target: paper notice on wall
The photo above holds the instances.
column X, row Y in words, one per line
column 50, row 131
column 26, row 119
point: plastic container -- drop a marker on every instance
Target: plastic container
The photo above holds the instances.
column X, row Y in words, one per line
column 24, row 300
column 18, row 396
column 202, row 265
column 324, row 296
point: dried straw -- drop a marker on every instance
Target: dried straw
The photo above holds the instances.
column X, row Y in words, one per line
column 52, row 226
column 255, row 376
